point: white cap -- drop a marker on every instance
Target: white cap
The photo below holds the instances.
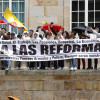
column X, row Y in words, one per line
column 25, row 32
column 36, row 33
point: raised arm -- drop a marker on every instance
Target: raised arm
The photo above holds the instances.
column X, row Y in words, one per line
column 96, row 32
column 37, row 30
column 53, row 30
column 43, row 30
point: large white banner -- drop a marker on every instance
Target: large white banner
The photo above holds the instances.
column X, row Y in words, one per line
column 26, row 50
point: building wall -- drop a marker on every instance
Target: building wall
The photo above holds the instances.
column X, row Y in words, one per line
column 50, row 85
column 57, row 11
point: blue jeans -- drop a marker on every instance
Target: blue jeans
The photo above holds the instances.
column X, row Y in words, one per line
column 9, row 62
column 39, row 64
column 74, row 63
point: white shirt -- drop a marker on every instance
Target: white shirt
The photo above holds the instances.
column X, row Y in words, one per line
column 37, row 38
column 96, row 33
column 92, row 35
column 26, row 38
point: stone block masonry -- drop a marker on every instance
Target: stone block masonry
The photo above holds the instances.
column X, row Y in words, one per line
column 50, row 85
column 57, row 11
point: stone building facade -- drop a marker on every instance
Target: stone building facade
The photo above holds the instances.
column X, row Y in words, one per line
column 50, row 85
column 57, row 11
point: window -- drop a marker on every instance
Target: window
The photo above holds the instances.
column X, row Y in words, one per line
column 85, row 12
column 17, row 7
column 78, row 13
column 3, row 5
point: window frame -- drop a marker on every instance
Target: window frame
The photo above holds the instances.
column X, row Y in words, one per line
column 86, row 14
column 10, row 7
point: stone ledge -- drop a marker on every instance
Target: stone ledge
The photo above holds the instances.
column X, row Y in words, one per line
column 50, row 72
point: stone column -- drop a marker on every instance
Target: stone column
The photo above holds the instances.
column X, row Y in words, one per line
column 13, row 65
column 27, row 13
column 67, row 64
column 0, row 64
column 23, row 65
column 67, row 15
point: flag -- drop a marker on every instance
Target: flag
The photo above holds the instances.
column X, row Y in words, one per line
column 9, row 18
column 61, row 24
column 43, row 22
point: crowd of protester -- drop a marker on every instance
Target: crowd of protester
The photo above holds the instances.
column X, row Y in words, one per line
column 49, row 34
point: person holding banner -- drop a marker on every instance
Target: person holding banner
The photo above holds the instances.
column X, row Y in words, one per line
column 19, row 37
column 5, row 63
column 11, row 37
column 37, row 38
column 49, row 35
column 3, row 36
column 47, row 38
column 81, row 36
column 74, row 60
column 26, row 36
column 61, row 35
column 31, row 35
column 94, row 35
column 54, row 63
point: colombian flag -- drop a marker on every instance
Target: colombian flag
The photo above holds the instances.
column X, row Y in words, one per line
column 43, row 22
column 9, row 18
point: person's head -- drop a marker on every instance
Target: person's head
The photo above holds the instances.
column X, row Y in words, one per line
column 31, row 33
column 52, row 23
column 66, row 35
column 48, row 34
column 36, row 35
column 12, row 35
column 60, row 32
column 3, row 30
column 96, row 29
column 41, row 36
column 19, row 36
column 8, row 35
column 25, row 33
column 72, row 35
